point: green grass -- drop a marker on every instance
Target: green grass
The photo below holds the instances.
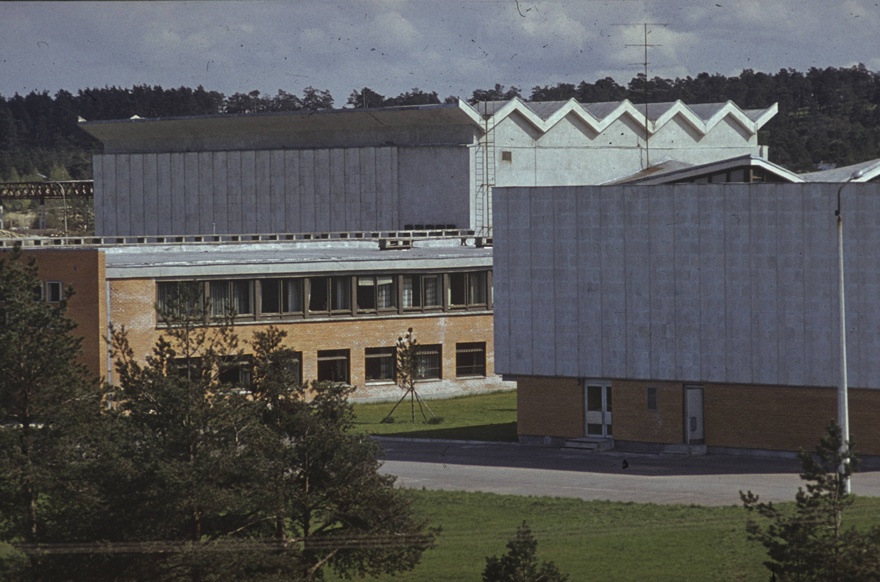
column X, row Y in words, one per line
column 483, row 417
column 596, row 540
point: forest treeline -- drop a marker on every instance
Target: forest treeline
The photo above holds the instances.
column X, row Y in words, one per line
column 826, row 116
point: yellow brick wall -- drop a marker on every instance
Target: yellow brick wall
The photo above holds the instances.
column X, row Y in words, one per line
column 132, row 304
column 766, row 417
column 786, row 418
column 550, row 407
column 82, row 269
column 634, row 422
column 782, row 418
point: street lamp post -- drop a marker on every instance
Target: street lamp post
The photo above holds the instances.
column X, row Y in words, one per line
column 842, row 396
column 842, row 389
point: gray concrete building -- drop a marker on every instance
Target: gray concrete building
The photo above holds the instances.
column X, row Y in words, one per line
column 386, row 169
column 659, row 317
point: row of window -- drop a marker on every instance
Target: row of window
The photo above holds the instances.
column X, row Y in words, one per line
column 338, row 295
column 379, row 364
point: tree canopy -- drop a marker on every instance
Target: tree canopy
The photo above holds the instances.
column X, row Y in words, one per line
column 827, row 116
column 200, row 463
column 810, row 543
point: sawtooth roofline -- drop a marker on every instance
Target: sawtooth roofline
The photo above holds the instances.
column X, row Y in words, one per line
column 598, row 116
column 659, row 114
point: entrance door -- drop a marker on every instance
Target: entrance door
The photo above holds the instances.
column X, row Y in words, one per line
column 597, row 400
column 694, row 415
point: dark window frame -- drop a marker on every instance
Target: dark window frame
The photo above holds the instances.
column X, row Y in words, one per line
column 381, row 357
column 470, row 360
column 330, row 361
column 424, row 370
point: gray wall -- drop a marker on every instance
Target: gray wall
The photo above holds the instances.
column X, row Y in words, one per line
column 258, row 191
column 716, row 283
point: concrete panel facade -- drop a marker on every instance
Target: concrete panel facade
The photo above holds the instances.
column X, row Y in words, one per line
column 265, row 191
column 699, row 283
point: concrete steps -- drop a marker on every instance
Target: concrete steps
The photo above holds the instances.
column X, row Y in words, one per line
column 588, row 444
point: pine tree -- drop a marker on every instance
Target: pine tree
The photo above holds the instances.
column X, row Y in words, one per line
column 810, row 543
column 47, row 402
column 520, row 563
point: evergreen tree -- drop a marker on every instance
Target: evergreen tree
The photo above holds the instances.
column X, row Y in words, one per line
column 47, row 402
column 323, row 492
column 520, row 563
column 810, row 543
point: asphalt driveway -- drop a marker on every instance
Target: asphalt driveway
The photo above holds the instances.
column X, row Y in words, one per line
column 511, row 468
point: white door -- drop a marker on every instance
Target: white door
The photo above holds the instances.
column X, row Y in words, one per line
column 694, row 417
column 597, row 402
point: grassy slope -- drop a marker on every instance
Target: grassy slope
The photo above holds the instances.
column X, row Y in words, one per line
column 489, row 417
column 596, row 540
column 590, row 540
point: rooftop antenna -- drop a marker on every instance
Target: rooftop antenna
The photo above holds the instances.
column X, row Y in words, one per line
column 645, row 62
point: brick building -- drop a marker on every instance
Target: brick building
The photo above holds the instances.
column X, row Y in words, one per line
column 343, row 302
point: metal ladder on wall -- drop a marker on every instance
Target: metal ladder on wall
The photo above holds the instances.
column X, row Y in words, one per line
column 484, row 172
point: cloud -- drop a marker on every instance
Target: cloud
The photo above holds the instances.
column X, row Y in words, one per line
column 451, row 47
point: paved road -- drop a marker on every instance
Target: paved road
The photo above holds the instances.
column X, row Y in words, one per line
column 529, row 470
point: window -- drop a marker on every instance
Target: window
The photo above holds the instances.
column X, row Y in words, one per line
column 421, row 291
column 651, row 394
column 281, row 296
column 237, row 371
column 376, row 293
column 333, row 366
column 176, row 299
column 379, row 365
column 506, row 156
column 470, row 359
column 330, row 294
column 296, row 367
column 468, row 289
column 185, row 368
column 429, row 364
column 54, row 291
column 231, row 298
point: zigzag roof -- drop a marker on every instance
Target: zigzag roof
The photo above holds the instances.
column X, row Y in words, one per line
column 599, row 116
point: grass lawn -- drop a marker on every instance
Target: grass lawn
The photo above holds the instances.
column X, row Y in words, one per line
column 484, row 417
column 596, row 540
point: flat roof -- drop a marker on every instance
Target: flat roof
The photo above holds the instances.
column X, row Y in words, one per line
column 288, row 258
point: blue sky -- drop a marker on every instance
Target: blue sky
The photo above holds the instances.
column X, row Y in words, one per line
column 448, row 46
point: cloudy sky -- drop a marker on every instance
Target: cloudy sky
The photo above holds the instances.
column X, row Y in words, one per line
column 448, row 46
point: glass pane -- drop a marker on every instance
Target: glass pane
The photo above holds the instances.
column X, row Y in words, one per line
column 385, row 293
column 594, row 429
column 432, row 290
column 319, row 294
column 608, row 398
column 242, row 300
column 293, row 296
column 428, row 363
column 457, row 289
column 477, row 288
column 411, row 294
column 594, row 398
column 379, row 364
column 366, row 295
column 341, row 293
column 220, row 299
column 270, row 295
column 470, row 359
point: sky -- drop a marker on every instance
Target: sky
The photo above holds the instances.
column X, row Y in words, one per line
column 391, row 46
